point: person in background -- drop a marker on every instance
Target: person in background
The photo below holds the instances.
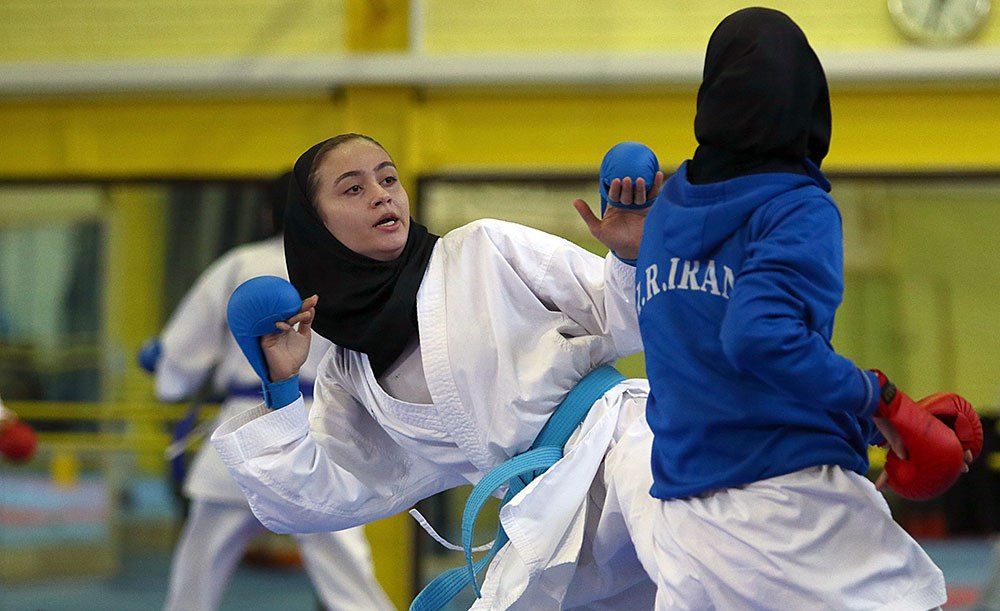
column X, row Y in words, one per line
column 196, row 343
column 761, row 430
column 17, row 438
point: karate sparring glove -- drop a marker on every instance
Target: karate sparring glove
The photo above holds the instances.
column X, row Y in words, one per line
column 627, row 160
column 958, row 415
column 149, row 354
column 253, row 309
column 17, row 440
column 934, row 453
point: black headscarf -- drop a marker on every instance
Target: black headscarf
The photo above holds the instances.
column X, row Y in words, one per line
column 365, row 305
column 763, row 104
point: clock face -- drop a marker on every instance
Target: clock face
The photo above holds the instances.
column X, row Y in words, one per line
column 939, row 22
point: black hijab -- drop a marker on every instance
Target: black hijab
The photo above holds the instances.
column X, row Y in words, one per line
column 364, row 304
column 763, row 104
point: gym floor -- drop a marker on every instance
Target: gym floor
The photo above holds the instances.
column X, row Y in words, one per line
column 131, row 574
column 141, row 584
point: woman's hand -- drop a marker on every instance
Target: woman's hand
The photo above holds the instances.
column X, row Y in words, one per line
column 621, row 229
column 287, row 350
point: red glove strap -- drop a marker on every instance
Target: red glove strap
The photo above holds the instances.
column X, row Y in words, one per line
column 889, row 396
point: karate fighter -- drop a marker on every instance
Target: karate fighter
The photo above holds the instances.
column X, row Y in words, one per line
column 450, row 356
column 761, row 430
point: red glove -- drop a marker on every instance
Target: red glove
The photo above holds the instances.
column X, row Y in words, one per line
column 959, row 415
column 17, row 441
column 934, row 453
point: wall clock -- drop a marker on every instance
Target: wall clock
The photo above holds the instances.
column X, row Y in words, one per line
column 939, row 22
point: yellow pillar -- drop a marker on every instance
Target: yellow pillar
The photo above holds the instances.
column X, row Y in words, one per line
column 134, row 295
column 377, row 25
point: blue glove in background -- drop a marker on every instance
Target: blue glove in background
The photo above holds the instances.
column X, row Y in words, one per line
column 253, row 309
column 149, row 354
column 632, row 160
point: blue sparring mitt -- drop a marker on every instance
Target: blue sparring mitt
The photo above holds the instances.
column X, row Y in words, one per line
column 627, row 160
column 253, row 309
column 149, row 354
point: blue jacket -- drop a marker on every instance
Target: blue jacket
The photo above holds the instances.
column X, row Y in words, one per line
column 737, row 284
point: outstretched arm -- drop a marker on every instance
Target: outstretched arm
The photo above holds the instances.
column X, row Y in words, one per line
column 327, row 467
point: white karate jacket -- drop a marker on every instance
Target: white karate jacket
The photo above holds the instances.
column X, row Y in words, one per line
column 509, row 318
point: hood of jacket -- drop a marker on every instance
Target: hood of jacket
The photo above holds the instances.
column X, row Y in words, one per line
column 703, row 216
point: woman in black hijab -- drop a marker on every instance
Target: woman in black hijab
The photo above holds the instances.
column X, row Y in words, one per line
column 450, row 355
column 763, row 105
column 368, row 300
column 760, row 429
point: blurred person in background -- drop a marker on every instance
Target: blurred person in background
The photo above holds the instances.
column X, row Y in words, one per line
column 17, row 438
column 195, row 344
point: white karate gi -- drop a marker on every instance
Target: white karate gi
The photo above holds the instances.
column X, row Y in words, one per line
column 220, row 524
column 509, row 320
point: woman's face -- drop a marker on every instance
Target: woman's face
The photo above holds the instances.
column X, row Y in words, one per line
column 361, row 201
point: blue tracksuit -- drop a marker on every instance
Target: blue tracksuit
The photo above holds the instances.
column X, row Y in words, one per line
column 737, row 284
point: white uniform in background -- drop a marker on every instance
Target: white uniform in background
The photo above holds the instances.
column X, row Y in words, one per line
column 510, row 318
column 220, row 524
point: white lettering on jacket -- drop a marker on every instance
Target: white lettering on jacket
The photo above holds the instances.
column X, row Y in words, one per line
column 684, row 275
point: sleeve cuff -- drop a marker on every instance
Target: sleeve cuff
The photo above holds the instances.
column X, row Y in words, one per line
column 623, row 269
column 280, row 394
column 254, row 431
column 871, row 392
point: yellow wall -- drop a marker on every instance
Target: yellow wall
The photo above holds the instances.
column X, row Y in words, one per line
column 451, row 129
column 456, row 26
column 944, row 247
column 443, row 128
column 61, row 30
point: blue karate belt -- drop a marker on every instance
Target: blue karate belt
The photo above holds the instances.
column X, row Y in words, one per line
column 256, row 390
column 517, row 473
column 178, row 464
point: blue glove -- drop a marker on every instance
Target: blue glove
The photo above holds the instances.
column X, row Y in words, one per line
column 253, row 309
column 149, row 354
column 628, row 159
